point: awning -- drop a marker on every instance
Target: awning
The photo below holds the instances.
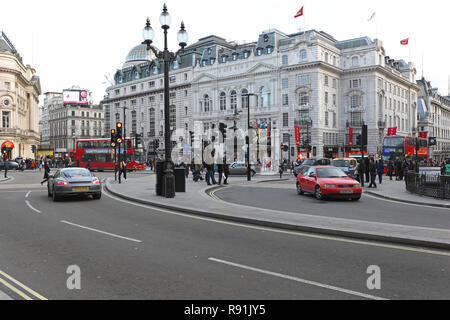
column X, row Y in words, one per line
column 8, row 145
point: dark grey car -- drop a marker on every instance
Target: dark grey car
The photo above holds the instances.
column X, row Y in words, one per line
column 12, row 165
column 74, row 182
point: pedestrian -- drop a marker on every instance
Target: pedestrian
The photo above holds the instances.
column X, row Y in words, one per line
column 366, row 166
column 360, row 172
column 380, row 170
column 89, row 165
column 373, row 173
column 390, row 168
column 220, row 171
column 226, row 173
column 281, row 170
column 186, row 170
column 46, row 172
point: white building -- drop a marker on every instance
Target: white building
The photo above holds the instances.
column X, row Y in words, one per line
column 434, row 118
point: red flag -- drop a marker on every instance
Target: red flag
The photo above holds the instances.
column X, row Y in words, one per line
column 423, row 135
column 404, row 42
column 299, row 14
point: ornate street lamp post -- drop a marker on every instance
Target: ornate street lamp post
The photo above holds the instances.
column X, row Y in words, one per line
column 167, row 56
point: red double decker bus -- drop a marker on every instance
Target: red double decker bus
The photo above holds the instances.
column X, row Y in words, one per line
column 404, row 147
column 100, row 154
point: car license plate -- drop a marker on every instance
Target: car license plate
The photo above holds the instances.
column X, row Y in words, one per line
column 347, row 192
column 81, row 189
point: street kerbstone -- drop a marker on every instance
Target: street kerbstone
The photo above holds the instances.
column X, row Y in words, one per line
column 196, row 201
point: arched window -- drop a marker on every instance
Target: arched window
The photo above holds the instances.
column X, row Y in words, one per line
column 223, row 101
column 233, row 99
column 155, row 70
column 206, row 103
column 265, row 97
column 136, row 76
column 303, row 98
column 244, row 98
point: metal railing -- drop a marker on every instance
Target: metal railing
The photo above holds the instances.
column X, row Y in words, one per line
column 435, row 186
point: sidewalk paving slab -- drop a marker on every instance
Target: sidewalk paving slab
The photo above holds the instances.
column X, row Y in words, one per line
column 142, row 190
column 396, row 190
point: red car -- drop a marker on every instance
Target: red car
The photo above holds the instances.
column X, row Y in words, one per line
column 328, row 182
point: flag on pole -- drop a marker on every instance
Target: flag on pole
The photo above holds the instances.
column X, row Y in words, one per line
column 300, row 13
column 404, row 42
column 372, row 16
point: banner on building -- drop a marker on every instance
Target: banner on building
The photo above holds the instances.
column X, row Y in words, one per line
column 350, row 137
column 423, row 135
column 392, row 132
column 297, row 135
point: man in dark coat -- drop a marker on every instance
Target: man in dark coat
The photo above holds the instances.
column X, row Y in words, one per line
column 373, row 173
column 366, row 166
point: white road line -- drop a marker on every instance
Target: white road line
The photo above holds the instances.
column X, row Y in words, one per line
column 28, row 194
column 31, row 207
column 102, row 232
column 308, row 282
column 404, row 203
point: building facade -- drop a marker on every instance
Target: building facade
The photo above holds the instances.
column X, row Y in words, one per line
column 19, row 99
column 137, row 97
column 69, row 122
column 326, row 87
column 434, row 118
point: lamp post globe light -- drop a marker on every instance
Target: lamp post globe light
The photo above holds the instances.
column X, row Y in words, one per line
column 167, row 56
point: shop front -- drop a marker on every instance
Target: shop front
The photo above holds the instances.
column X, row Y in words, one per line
column 6, row 150
column 353, row 152
column 331, row 152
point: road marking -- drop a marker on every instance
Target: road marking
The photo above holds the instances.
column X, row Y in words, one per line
column 31, row 207
column 21, row 286
column 293, row 233
column 102, row 232
column 28, row 194
column 308, row 282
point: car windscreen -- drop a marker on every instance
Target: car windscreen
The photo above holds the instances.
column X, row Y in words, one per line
column 309, row 162
column 76, row 173
column 330, row 173
column 340, row 163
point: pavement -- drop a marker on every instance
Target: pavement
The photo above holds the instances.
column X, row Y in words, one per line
column 396, row 190
column 200, row 200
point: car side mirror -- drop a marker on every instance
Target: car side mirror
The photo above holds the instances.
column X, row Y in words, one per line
column 312, row 175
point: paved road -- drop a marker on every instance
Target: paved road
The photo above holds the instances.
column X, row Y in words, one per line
column 127, row 251
column 283, row 196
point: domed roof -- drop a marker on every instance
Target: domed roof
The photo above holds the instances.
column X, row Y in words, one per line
column 139, row 54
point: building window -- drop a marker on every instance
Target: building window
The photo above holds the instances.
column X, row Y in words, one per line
column 334, row 120
column 269, row 50
column 224, row 59
column 304, row 80
column 173, row 117
column 5, row 119
column 211, row 61
column 285, row 60
column 286, row 138
column 258, row 52
column 326, row 81
column 304, row 98
column 206, row 103
column 235, row 55
column 355, row 101
column 223, row 101
column 326, row 118
column 245, row 54
column 334, row 100
column 303, row 55
column 133, row 88
column 173, row 79
column 285, row 98
column 203, row 63
column 285, row 119
column 244, row 98
column 326, row 98
column 233, row 99
column 326, row 57
column 285, row 83
column 265, row 97
column 355, row 61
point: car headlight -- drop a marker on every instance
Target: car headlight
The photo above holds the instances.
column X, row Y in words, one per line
column 328, row 186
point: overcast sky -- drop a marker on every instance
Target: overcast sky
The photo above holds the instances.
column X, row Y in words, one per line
column 79, row 42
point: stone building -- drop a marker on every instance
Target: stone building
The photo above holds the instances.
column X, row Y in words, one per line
column 434, row 118
column 19, row 99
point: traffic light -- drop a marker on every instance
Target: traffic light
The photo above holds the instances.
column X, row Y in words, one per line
column 365, row 133
column 119, row 138
column 223, row 130
column 359, row 140
column 156, row 144
column 138, row 139
column 33, row 149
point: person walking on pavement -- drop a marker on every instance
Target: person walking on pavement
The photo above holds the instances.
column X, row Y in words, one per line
column 380, row 170
column 46, row 173
column 220, row 171
column 226, row 173
column 390, row 168
column 281, row 170
column 373, row 173
column 366, row 163
column 360, row 172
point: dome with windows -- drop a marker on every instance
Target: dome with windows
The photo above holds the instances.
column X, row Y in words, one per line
column 139, row 54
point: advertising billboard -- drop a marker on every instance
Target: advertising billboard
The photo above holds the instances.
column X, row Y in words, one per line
column 75, row 97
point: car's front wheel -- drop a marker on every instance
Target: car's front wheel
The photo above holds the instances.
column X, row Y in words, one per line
column 97, row 196
column 318, row 193
column 300, row 191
